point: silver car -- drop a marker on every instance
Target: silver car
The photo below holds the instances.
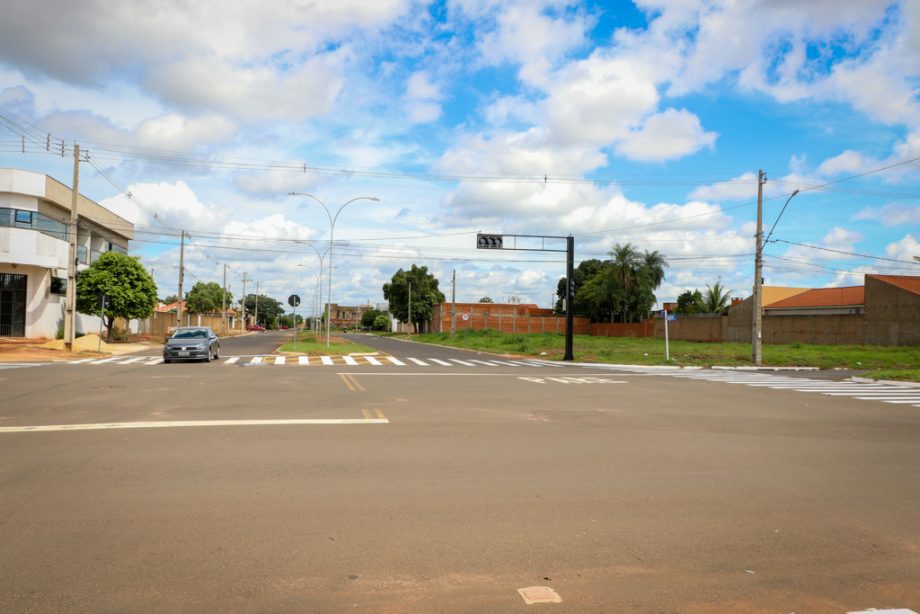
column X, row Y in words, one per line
column 192, row 343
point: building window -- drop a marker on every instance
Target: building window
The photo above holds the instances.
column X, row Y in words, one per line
column 23, row 218
column 58, row 285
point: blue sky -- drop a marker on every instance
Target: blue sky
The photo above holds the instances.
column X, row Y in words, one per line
column 642, row 122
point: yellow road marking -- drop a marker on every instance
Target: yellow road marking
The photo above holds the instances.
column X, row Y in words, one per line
column 380, row 414
column 366, row 413
column 351, row 382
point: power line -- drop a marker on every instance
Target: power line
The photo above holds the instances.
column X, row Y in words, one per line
column 837, row 251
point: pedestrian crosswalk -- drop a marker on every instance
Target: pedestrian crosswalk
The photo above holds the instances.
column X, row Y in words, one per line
column 895, row 393
column 19, row 365
column 327, row 361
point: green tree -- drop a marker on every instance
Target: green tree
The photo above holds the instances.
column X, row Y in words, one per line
column 269, row 308
column 716, row 298
column 369, row 317
column 382, row 322
column 585, row 270
column 486, row 299
column 129, row 289
column 690, row 302
column 206, row 298
column 425, row 294
column 172, row 298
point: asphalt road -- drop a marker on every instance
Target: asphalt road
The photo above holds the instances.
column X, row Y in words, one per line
column 430, row 487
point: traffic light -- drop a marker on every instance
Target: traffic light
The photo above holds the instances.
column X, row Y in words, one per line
column 489, row 241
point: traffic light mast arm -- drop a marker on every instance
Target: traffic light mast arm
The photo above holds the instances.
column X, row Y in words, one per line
column 497, row 241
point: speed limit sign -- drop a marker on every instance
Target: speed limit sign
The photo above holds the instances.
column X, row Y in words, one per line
column 465, row 317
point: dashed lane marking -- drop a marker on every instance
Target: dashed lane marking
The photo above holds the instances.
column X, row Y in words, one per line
column 349, row 360
column 420, row 363
column 373, row 361
column 396, row 361
column 232, row 360
column 326, row 360
column 303, row 360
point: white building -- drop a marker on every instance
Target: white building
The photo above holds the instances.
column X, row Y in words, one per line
column 34, row 218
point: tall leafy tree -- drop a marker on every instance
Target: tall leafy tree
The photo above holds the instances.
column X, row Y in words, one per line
column 585, row 270
column 425, row 294
column 269, row 309
column 206, row 298
column 690, row 302
column 128, row 287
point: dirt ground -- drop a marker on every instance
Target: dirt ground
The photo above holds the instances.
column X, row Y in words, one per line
column 43, row 350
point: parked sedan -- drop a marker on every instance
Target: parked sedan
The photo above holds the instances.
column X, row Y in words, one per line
column 192, row 343
column 255, row 328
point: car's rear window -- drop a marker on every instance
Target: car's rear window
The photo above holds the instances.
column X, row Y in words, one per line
column 190, row 334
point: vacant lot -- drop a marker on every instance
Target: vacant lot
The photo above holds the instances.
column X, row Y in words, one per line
column 894, row 362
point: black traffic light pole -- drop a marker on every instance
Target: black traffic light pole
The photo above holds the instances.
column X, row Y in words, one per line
column 569, row 297
column 497, row 241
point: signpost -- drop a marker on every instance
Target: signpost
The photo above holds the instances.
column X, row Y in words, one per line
column 667, row 317
column 497, row 241
column 294, row 301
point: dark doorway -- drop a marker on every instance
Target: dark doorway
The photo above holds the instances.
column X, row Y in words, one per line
column 12, row 305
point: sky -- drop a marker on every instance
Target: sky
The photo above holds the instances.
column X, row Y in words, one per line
column 640, row 122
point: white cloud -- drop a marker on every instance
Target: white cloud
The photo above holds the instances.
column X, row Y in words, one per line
column 841, row 241
column 253, row 93
column 174, row 131
column 893, row 214
column 161, row 204
column 665, row 136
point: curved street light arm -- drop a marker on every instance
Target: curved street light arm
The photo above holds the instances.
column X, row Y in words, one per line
column 770, row 234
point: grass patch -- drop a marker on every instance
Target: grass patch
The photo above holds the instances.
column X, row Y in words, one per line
column 308, row 343
column 904, row 375
column 650, row 351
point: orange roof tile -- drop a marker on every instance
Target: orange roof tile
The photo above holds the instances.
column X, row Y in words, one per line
column 905, row 282
column 825, row 297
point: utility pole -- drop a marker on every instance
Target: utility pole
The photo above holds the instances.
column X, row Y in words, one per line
column 257, row 303
column 181, row 278
column 757, row 324
column 223, row 305
column 453, row 303
column 410, row 307
column 243, row 303
column 70, row 311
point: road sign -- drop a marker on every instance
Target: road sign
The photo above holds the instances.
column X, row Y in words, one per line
column 672, row 317
column 489, row 241
column 293, row 300
column 465, row 317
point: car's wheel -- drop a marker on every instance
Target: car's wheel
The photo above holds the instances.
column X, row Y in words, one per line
column 207, row 357
column 217, row 353
column 166, row 361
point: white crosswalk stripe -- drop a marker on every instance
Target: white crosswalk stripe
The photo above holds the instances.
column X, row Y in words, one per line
column 898, row 394
column 346, row 361
column 19, row 365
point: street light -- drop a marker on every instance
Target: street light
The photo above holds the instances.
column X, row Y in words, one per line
column 332, row 220
column 781, row 211
column 317, row 293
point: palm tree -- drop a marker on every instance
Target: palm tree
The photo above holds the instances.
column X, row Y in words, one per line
column 655, row 262
column 625, row 263
column 716, row 298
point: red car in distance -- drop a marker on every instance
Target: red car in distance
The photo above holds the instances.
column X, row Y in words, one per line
column 255, row 328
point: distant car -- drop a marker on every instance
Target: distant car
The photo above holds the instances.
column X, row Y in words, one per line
column 192, row 343
column 282, row 327
column 255, row 328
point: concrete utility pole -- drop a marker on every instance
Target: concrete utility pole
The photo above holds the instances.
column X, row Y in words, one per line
column 223, row 305
column 181, row 278
column 757, row 324
column 243, row 303
column 453, row 303
column 70, row 310
column 257, row 303
column 410, row 307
